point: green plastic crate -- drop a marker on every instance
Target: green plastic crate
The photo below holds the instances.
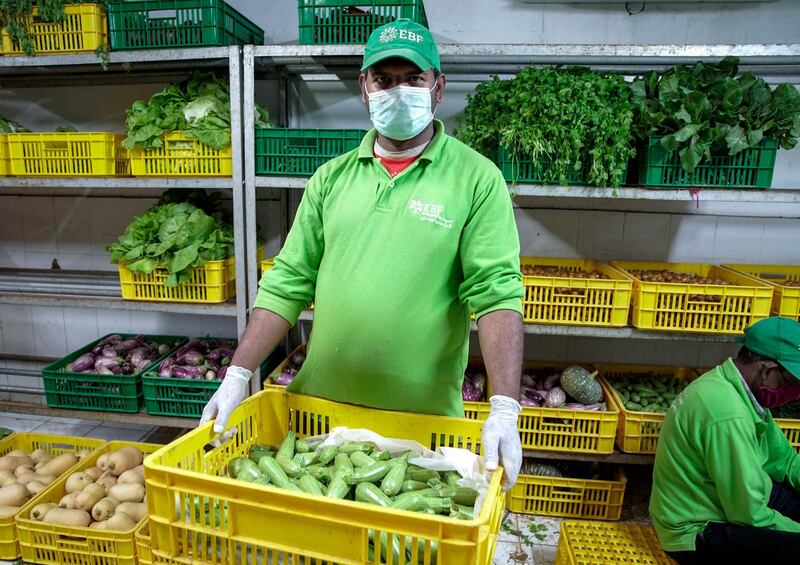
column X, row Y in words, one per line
column 751, row 168
column 349, row 22
column 533, row 172
column 88, row 391
column 186, row 398
column 300, row 152
column 155, row 24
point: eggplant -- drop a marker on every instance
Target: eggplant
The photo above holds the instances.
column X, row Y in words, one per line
column 108, row 352
column 126, row 369
column 138, row 354
column 190, row 357
column 180, row 372
column 107, row 362
column 164, row 348
column 214, row 355
column 113, row 338
column 298, row 359
column 104, row 371
column 82, row 363
column 210, row 375
column 221, row 373
column 129, row 344
column 165, row 372
column 142, row 365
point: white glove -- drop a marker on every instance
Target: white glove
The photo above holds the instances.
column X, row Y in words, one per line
column 500, row 435
column 228, row 396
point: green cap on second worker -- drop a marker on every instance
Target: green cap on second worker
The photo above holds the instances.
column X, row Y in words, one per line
column 778, row 339
column 402, row 38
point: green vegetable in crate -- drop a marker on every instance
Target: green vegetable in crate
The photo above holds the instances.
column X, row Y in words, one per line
column 581, row 385
column 243, row 469
column 258, row 451
column 648, row 392
column 10, row 126
column 533, row 467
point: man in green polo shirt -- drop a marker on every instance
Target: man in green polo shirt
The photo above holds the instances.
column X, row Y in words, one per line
column 726, row 479
column 397, row 243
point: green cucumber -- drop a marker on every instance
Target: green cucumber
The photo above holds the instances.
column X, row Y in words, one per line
column 360, row 459
column 393, row 481
column 371, row 474
column 369, row 493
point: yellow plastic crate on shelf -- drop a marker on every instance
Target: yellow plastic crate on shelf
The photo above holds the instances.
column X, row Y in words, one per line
column 208, row 284
column 559, row 429
column 144, row 554
column 28, row 442
column 569, row 498
column 198, row 516
column 83, row 29
column 701, row 308
column 638, row 431
column 791, row 428
column 786, row 300
column 5, row 162
column 54, row 544
column 573, row 300
column 605, row 543
column 67, row 154
column 181, row 156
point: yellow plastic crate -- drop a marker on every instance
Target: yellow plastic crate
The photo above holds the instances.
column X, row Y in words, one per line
column 208, row 284
column 559, row 429
column 184, row 487
column 569, row 498
column 638, row 431
column 786, row 300
column 605, row 543
column 181, row 156
column 67, row 154
column 144, row 554
column 676, row 307
column 792, row 430
column 267, row 264
column 28, row 442
column 5, row 162
column 83, row 29
column 576, row 301
column 231, row 270
column 54, row 544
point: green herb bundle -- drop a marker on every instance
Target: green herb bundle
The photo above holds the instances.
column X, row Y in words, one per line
column 199, row 107
column 577, row 119
column 175, row 237
column 706, row 110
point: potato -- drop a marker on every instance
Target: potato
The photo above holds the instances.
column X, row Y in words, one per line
column 136, row 510
column 99, row 525
column 120, row 522
column 126, row 493
column 67, row 517
column 77, row 482
column 45, row 479
column 123, row 459
column 38, row 511
column 134, row 475
column 94, row 472
column 6, row 511
column 102, row 461
column 11, row 462
column 13, row 495
column 59, row 465
column 41, row 456
column 23, row 470
column 90, row 496
column 27, row 477
column 67, row 501
column 7, row 478
column 34, row 487
column 105, row 508
column 107, row 480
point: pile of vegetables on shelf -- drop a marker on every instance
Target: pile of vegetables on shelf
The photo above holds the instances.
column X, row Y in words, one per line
column 24, row 475
column 648, row 392
column 355, row 471
column 176, row 237
column 560, row 272
column 291, row 367
column 575, row 388
column 705, row 109
column 10, row 126
column 117, row 356
column 108, row 496
column 199, row 107
column 576, row 119
column 473, row 389
column 665, row 276
column 15, row 15
column 200, row 359
column 567, row 469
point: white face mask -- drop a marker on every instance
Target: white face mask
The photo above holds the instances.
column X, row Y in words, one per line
column 401, row 112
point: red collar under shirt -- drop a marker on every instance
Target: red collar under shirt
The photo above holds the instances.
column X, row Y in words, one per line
column 395, row 162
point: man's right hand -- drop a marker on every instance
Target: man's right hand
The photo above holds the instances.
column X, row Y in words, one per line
column 229, row 395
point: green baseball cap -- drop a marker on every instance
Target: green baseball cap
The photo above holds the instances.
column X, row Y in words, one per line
column 402, row 38
column 778, row 339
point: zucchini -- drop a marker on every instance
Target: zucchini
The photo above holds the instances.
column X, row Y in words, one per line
column 438, row 505
column 422, row 475
column 381, row 455
column 292, row 469
column 451, row 478
column 343, row 467
column 322, row 474
column 310, row 485
column 327, row 454
column 243, row 469
column 460, row 495
column 338, row 488
column 352, row 447
column 287, row 447
column 412, row 501
column 260, row 450
column 275, row 473
column 393, row 481
column 360, row 459
column 371, row 474
column 307, row 458
column 369, row 493
column 410, row 486
column 301, row 446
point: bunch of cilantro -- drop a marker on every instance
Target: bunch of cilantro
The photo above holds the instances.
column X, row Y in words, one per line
column 199, row 107
column 576, row 119
column 175, row 237
column 706, row 110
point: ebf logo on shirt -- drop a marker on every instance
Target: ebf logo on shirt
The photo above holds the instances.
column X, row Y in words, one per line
column 429, row 212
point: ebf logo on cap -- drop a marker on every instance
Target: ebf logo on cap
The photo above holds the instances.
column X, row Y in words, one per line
column 391, row 33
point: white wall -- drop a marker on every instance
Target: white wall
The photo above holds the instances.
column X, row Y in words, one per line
column 74, row 230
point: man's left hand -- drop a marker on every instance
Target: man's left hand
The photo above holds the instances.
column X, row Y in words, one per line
column 500, row 438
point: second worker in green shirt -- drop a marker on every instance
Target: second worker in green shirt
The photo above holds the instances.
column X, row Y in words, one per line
column 397, row 243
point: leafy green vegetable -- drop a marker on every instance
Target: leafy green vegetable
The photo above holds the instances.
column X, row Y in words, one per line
column 577, row 119
column 10, row 126
column 175, row 237
column 706, row 110
column 199, row 107
column 66, row 129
